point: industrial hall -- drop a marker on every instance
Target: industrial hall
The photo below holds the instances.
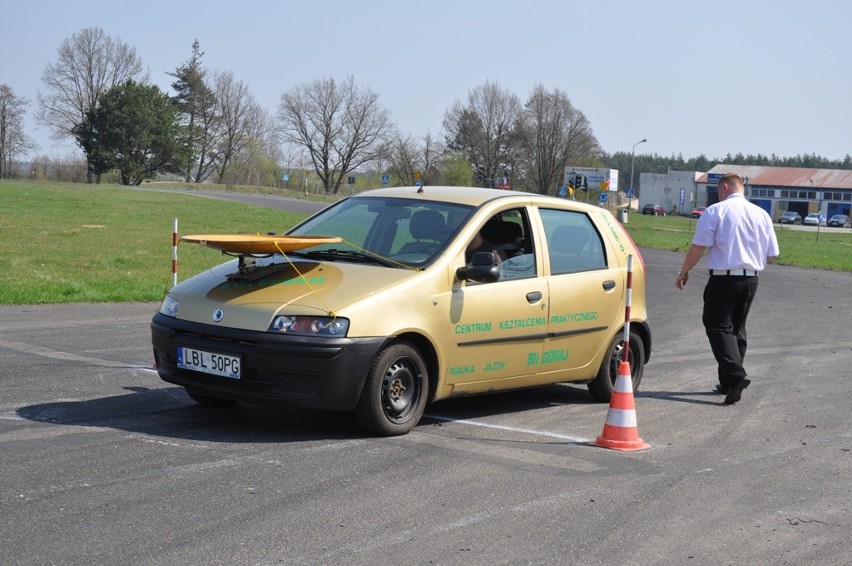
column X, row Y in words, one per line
column 775, row 189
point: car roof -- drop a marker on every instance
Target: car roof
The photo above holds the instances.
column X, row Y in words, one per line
column 472, row 196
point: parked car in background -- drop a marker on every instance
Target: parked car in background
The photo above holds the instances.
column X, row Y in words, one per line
column 394, row 298
column 698, row 211
column 654, row 209
column 814, row 219
column 790, row 217
column 839, row 221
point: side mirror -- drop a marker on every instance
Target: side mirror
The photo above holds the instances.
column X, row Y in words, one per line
column 484, row 267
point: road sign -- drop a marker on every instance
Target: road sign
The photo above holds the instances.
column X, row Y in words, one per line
column 562, row 191
column 630, row 193
column 603, row 197
column 385, row 179
column 285, row 177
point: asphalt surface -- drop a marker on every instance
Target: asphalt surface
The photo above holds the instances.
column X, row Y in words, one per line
column 104, row 463
column 272, row 201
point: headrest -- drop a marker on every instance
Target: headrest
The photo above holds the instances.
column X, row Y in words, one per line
column 500, row 232
column 427, row 225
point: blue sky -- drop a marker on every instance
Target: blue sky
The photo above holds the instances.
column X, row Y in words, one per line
column 693, row 78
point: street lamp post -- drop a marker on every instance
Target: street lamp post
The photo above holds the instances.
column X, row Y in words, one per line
column 632, row 160
column 819, row 210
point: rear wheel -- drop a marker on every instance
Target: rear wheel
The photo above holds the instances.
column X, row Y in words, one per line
column 603, row 385
column 394, row 395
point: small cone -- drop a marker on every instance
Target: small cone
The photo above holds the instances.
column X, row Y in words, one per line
column 620, row 431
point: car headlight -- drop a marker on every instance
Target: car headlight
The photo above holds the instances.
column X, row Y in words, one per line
column 309, row 325
column 169, row 307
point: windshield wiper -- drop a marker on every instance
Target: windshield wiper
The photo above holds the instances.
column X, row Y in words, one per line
column 351, row 255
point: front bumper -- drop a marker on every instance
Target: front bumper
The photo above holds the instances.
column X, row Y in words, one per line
column 321, row 373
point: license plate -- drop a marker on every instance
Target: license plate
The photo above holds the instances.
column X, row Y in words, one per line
column 209, row 362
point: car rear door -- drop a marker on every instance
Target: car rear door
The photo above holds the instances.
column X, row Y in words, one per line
column 586, row 293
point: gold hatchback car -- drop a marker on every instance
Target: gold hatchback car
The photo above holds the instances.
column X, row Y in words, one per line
column 395, row 298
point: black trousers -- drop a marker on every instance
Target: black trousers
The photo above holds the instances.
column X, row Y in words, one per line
column 727, row 300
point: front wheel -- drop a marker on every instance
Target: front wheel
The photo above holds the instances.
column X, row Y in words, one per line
column 603, row 385
column 394, row 395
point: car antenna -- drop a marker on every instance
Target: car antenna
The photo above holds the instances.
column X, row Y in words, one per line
column 420, row 189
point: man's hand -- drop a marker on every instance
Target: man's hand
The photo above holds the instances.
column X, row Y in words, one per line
column 681, row 279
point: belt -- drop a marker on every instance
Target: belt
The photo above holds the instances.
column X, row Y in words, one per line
column 736, row 272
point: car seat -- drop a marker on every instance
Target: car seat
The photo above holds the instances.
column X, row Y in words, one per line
column 428, row 228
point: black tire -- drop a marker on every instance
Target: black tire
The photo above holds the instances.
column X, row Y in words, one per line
column 207, row 401
column 395, row 393
column 603, row 385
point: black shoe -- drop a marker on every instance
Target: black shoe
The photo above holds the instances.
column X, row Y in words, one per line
column 722, row 389
column 736, row 391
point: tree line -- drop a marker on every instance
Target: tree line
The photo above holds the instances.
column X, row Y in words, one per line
column 211, row 129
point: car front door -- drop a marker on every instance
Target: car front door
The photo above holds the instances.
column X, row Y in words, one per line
column 497, row 329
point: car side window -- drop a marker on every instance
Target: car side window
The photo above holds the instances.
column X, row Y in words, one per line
column 507, row 234
column 573, row 243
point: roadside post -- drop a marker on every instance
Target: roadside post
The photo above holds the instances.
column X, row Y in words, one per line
column 174, row 252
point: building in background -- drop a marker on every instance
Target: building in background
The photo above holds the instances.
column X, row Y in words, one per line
column 775, row 189
column 675, row 190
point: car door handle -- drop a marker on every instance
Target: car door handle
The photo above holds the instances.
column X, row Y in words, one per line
column 609, row 285
column 534, row 297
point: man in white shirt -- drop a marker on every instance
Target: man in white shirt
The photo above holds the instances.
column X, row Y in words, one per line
column 740, row 240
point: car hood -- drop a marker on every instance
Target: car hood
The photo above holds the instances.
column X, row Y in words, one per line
column 251, row 300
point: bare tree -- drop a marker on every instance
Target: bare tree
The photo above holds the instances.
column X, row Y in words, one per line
column 554, row 134
column 409, row 156
column 485, row 129
column 13, row 142
column 90, row 63
column 341, row 125
column 242, row 122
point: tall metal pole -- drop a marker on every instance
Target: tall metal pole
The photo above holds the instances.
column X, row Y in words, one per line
column 819, row 211
column 632, row 159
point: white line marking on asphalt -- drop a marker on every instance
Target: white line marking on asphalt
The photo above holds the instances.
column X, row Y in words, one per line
column 11, row 417
column 509, row 428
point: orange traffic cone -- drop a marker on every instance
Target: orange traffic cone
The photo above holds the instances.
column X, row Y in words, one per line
column 620, row 431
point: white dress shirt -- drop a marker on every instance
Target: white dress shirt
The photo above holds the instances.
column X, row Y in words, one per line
column 737, row 233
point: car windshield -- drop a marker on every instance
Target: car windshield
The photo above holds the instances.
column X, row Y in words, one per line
column 392, row 231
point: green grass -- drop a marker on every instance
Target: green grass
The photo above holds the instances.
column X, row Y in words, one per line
column 66, row 243
column 833, row 250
